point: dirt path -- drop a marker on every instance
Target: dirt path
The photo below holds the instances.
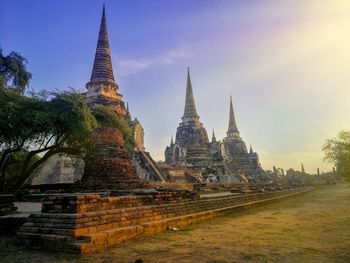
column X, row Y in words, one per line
column 314, row 227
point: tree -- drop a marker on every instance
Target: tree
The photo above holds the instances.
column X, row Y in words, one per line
column 33, row 126
column 13, row 72
column 337, row 151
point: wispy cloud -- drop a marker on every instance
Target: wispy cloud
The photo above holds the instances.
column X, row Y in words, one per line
column 127, row 66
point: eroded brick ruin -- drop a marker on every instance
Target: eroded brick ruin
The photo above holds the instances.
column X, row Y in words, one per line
column 91, row 222
column 108, row 164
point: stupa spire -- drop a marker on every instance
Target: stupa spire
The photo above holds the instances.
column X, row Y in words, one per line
column 172, row 140
column 190, row 113
column 128, row 114
column 213, row 138
column 232, row 130
column 102, row 70
column 251, row 149
column 102, row 88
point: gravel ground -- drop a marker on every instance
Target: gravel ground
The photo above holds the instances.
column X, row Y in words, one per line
column 314, row 227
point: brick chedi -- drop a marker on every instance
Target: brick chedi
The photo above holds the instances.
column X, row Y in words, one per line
column 236, row 149
column 102, row 88
column 192, row 148
column 191, row 141
column 108, row 164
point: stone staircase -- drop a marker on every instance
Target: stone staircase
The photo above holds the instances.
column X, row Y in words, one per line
column 149, row 166
column 87, row 223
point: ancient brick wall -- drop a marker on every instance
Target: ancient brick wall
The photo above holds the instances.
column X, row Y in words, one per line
column 80, row 203
column 85, row 223
column 108, row 164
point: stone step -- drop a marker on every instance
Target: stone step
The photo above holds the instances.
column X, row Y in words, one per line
column 104, row 239
column 96, row 221
column 102, row 229
column 128, row 216
column 48, row 231
column 51, row 242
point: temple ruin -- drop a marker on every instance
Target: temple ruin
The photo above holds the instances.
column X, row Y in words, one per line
column 236, row 150
column 227, row 161
column 115, row 201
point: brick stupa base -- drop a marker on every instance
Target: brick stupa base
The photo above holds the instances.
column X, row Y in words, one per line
column 108, row 164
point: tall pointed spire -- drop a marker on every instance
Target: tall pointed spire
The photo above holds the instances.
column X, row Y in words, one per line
column 102, row 88
column 232, row 130
column 190, row 113
column 251, row 149
column 128, row 114
column 213, row 138
column 102, row 70
column 171, row 141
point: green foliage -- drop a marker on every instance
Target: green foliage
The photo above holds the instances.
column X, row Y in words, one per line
column 21, row 118
column 13, row 72
column 106, row 117
column 15, row 167
column 337, row 151
column 33, row 125
column 70, row 115
column 43, row 124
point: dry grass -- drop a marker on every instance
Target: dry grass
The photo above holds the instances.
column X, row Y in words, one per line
column 314, row 227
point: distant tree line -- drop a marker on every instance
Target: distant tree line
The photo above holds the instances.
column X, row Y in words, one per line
column 337, row 152
column 35, row 126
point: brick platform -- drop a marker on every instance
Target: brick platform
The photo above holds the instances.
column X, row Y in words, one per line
column 88, row 222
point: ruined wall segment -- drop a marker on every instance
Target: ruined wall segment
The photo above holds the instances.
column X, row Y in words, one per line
column 108, row 164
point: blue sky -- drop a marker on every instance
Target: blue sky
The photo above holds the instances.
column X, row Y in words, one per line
column 286, row 64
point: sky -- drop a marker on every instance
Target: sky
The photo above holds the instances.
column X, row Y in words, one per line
column 285, row 63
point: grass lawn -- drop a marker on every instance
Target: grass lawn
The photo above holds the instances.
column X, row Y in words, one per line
column 313, row 227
